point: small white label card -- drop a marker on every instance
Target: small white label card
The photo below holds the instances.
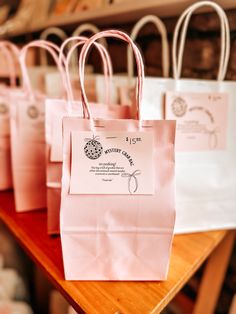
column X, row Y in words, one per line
column 112, row 163
column 201, row 120
column 31, row 120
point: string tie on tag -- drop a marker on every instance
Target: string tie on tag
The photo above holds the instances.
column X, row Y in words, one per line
column 212, row 138
column 132, row 178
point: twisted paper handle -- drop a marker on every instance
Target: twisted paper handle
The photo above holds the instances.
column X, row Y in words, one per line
column 164, row 39
column 53, row 50
column 106, row 65
column 115, row 34
column 225, row 38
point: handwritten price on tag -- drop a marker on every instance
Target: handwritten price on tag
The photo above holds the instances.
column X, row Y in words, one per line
column 133, row 140
column 214, row 98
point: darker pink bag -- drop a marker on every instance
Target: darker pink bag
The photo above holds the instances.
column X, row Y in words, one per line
column 55, row 110
column 5, row 151
column 28, row 138
column 118, row 193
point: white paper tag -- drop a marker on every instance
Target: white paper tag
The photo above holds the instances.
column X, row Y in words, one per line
column 32, row 121
column 112, row 163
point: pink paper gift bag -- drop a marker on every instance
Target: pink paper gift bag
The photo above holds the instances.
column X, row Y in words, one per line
column 117, row 203
column 5, row 151
column 55, row 110
column 28, row 139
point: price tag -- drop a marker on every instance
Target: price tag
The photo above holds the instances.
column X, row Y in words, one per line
column 112, row 163
column 201, row 120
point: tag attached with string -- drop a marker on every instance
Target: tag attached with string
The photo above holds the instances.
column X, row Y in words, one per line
column 112, row 163
column 201, row 120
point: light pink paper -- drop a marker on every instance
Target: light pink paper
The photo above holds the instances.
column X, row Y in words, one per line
column 112, row 163
column 201, row 120
column 54, row 114
column 119, row 237
column 28, row 153
column 55, row 111
column 5, row 150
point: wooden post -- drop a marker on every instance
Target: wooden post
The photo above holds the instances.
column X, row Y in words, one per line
column 213, row 276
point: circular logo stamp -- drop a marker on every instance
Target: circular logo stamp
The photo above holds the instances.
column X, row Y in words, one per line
column 33, row 112
column 3, row 108
column 93, row 148
column 179, row 107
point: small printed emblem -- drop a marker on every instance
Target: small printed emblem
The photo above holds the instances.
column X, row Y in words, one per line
column 3, row 108
column 93, row 148
column 33, row 112
column 179, row 107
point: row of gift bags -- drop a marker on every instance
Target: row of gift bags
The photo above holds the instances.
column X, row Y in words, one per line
column 109, row 171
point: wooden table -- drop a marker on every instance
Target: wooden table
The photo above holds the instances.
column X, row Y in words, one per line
column 189, row 252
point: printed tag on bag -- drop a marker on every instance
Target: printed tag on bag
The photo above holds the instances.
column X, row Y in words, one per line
column 31, row 118
column 4, row 118
column 112, row 163
column 201, row 120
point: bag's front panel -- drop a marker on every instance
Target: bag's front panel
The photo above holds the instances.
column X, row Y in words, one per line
column 153, row 100
column 120, row 237
column 206, row 180
column 28, row 154
column 116, row 256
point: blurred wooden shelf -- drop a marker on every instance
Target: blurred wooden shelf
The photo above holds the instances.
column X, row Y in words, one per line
column 189, row 252
column 117, row 14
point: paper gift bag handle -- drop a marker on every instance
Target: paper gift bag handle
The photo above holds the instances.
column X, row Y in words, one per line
column 44, row 35
column 11, row 53
column 82, row 39
column 10, row 64
column 225, row 38
column 140, row 68
column 106, row 65
column 164, row 39
column 86, row 27
column 53, row 50
column 12, row 47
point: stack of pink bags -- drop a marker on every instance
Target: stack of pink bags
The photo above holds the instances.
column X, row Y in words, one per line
column 101, row 216
column 106, row 171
